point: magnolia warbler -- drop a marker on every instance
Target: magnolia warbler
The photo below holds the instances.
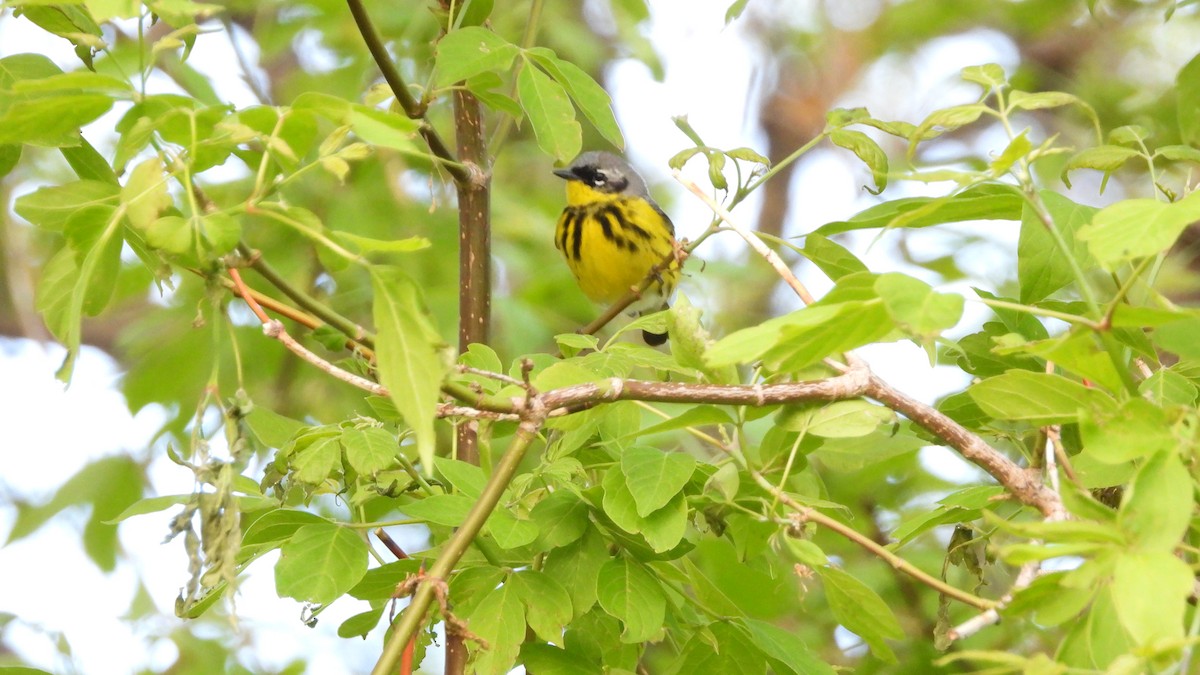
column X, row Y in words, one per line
column 612, row 233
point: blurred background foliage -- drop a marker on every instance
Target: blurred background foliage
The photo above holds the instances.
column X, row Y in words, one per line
column 806, row 57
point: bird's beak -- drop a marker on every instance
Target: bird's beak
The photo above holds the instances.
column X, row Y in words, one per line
column 566, row 173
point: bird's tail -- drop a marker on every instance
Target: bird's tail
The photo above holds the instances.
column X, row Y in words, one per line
column 655, row 339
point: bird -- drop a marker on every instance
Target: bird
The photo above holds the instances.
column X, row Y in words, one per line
column 612, row 233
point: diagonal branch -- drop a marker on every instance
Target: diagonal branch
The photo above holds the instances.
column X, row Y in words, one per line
column 413, row 108
column 414, row 615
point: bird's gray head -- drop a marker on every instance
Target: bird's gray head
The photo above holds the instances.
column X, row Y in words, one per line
column 605, row 172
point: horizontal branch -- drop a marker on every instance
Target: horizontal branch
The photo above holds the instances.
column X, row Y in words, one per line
column 1024, row 484
column 849, row 385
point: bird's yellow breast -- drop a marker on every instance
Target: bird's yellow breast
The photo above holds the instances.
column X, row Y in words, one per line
column 611, row 241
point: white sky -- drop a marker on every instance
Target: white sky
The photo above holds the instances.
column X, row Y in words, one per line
column 53, row 588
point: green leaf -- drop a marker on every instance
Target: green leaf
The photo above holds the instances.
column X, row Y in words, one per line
column 1130, row 134
column 173, row 234
column 838, row 419
column 1187, row 101
column 689, row 340
column 1041, row 266
column 361, row 624
column 728, row 584
column 722, row 647
column 320, row 563
column 85, row 160
column 318, row 461
column 369, row 245
column 1150, row 591
column 467, row 479
column 272, row 429
column 861, row 611
column 868, row 151
column 748, row 155
column 662, row 529
column 655, row 477
column 835, row 260
column 1178, row 153
column 470, row 586
column 274, row 527
column 369, row 450
column 500, row 621
column 561, row 518
column 1106, row 158
column 630, row 593
column 989, row 201
column 787, row 650
column 50, row 207
column 547, row 604
column 989, row 75
column 849, row 316
column 1167, row 387
column 93, row 234
column 509, row 531
column 379, row 583
column 51, row 121
column 372, row 125
column 550, row 113
column 701, row 415
column 947, row 119
column 735, row 10
column 150, row 505
column 591, row 98
column 716, row 170
column 1098, row 638
column 470, row 51
column 145, row 193
column 1017, row 148
column 1136, row 228
column 1179, row 337
column 915, row 307
column 577, row 567
column 409, row 354
column 1037, row 398
column 546, row 658
column 108, row 486
column 450, row 510
column 10, row 154
column 1157, row 507
column 1138, row 429
column 1042, row 100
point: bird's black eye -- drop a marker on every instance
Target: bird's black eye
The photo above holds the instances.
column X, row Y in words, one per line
column 599, row 179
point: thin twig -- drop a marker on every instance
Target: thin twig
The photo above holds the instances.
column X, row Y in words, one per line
column 990, row 617
column 274, row 329
column 751, row 238
column 387, row 541
column 414, row 615
column 404, row 97
column 499, row 377
column 805, row 514
column 324, row 312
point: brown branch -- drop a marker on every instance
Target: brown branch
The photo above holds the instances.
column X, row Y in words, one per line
column 474, row 271
column 274, row 329
column 413, row 108
column 849, row 385
column 255, row 261
column 390, row 544
column 750, row 238
column 1023, row 484
column 414, row 615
